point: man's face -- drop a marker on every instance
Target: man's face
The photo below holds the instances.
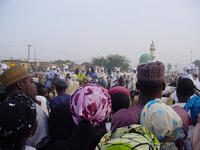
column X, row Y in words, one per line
column 29, row 87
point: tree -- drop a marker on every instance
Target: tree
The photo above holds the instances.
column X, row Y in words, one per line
column 169, row 67
column 112, row 61
column 60, row 62
column 99, row 61
column 86, row 63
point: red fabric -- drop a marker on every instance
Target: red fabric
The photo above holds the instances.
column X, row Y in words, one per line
column 184, row 116
column 119, row 89
column 126, row 117
column 185, row 120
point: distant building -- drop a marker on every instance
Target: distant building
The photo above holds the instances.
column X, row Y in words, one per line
column 16, row 62
column 152, row 51
column 145, row 58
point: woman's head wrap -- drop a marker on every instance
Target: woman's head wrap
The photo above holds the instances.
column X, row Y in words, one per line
column 91, row 102
column 193, row 105
column 17, row 116
column 161, row 120
column 119, row 89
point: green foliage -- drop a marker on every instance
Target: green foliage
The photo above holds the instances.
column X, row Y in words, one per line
column 99, row 61
column 63, row 62
column 86, row 63
column 112, row 61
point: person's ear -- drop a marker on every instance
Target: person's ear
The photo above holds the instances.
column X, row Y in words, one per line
column 20, row 84
column 163, row 86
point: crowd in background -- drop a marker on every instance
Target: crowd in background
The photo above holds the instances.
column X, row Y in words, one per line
column 97, row 109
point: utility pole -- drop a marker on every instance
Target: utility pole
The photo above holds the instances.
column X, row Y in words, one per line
column 35, row 61
column 29, row 46
column 191, row 56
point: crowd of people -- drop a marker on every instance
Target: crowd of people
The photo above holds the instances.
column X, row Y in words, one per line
column 90, row 110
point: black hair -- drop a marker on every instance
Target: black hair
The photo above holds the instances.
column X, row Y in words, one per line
column 185, row 87
column 61, row 123
column 84, row 137
column 172, row 84
column 119, row 101
column 40, row 88
column 149, row 87
column 11, row 87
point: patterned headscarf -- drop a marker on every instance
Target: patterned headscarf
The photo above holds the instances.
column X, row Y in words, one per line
column 133, row 137
column 163, row 121
column 193, row 105
column 90, row 102
column 17, row 116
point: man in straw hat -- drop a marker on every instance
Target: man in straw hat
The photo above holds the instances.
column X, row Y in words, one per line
column 17, row 80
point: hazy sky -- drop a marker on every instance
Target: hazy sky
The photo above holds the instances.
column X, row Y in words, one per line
column 78, row 30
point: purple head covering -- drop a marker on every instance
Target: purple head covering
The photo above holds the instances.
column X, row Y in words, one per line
column 90, row 102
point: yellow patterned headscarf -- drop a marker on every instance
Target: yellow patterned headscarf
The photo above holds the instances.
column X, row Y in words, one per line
column 13, row 75
column 134, row 137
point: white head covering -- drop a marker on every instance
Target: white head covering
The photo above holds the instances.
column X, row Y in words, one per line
column 74, row 76
column 117, row 68
column 191, row 69
column 48, row 69
column 3, row 66
column 161, row 120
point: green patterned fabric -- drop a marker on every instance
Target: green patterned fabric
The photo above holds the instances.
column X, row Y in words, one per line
column 133, row 137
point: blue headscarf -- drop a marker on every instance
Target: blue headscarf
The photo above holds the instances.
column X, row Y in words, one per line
column 193, row 105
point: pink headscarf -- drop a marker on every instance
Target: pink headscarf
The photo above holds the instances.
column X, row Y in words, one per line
column 90, row 102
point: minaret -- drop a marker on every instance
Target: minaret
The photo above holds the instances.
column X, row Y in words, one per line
column 152, row 51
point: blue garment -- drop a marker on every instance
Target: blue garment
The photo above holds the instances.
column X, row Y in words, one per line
column 48, row 82
column 59, row 99
column 193, row 105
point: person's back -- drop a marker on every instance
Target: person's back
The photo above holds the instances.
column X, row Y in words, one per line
column 126, row 117
column 15, row 131
column 61, row 123
column 150, row 84
column 61, row 85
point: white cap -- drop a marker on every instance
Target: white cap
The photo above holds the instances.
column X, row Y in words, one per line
column 117, row 68
column 191, row 69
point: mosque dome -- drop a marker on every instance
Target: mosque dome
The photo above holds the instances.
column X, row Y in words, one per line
column 145, row 58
